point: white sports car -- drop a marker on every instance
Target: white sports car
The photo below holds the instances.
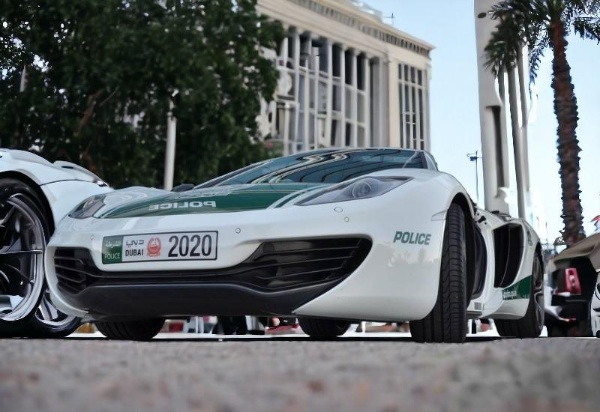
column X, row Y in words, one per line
column 331, row 237
column 34, row 195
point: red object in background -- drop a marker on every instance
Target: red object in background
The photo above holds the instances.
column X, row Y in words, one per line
column 596, row 222
column 175, row 326
column 571, row 283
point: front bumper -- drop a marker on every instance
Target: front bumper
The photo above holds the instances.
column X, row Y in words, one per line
column 341, row 262
column 275, row 279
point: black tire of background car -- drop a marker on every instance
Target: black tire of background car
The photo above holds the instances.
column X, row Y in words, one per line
column 59, row 327
column 447, row 321
column 530, row 325
column 323, row 328
column 562, row 329
column 10, row 187
column 231, row 325
column 140, row 330
column 34, row 325
column 558, row 330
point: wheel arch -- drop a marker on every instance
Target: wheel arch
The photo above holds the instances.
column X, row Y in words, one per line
column 26, row 180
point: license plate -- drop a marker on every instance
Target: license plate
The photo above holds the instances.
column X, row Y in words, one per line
column 160, row 247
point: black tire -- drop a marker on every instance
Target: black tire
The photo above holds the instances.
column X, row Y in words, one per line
column 24, row 232
column 141, row 330
column 323, row 328
column 49, row 322
column 530, row 325
column 447, row 321
column 231, row 325
column 557, row 331
column 45, row 321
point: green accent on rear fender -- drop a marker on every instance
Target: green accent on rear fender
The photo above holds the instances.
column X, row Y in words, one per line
column 520, row 290
column 210, row 200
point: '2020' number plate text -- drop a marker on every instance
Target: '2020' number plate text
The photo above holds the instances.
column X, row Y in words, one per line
column 160, row 247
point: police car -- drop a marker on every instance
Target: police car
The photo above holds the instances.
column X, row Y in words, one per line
column 331, row 237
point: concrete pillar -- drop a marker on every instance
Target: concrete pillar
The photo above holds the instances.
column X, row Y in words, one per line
column 329, row 107
column 492, row 117
column 367, row 106
column 340, row 140
column 396, row 107
column 296, row 65
column 354, row 101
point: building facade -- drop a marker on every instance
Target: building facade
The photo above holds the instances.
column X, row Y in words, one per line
column 347, row 79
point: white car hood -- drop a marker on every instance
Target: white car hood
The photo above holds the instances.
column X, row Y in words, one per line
column 42, row 171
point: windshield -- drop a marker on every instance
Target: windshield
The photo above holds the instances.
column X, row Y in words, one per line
column 326, row 166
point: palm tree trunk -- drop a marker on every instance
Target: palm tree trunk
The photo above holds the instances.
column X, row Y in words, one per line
column 565, row 108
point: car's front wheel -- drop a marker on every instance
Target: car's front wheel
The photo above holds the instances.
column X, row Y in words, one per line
column 323, row 328
column 23, row 234
column 447, row 321
column 530, row 325
column 140, row 330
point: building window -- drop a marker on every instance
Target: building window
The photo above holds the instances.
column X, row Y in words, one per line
column 412, row 107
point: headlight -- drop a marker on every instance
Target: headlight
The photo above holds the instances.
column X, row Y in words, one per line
column 88, row 207
column 363, row 188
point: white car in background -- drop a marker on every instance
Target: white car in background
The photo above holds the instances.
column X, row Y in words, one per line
column 34, row 196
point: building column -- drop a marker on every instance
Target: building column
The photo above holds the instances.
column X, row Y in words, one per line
column 354, row 101
column 367, row 107
column 385, row 111
column 306, row 103
column 396, row 107
column 296, row 66
column 426, row 118
column 377, row 129
column 329, row 105
column 341, row 136
column 316, row 62
column 411, row 108
column 417, row 112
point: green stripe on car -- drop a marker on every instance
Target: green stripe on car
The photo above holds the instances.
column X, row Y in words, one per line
column 211, row 200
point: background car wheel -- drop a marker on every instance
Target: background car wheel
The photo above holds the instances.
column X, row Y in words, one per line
column 447, row 321
column 557, row 330
column 323, row 328
column 23, row 235
column 530, row 325
column 49, row 322
column 131, row 330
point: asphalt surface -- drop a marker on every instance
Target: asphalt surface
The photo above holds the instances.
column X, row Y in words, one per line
column 382, row 372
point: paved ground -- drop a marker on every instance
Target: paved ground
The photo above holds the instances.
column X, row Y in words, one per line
column 380, row 372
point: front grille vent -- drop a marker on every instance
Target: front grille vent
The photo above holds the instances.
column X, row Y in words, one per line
column 274, row 266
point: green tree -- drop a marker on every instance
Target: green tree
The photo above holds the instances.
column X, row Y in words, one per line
column 100, row 75
column 539, row 25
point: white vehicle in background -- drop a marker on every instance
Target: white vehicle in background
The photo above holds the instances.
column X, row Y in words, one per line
column 34, row 195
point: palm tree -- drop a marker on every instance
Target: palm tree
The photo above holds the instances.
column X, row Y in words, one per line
column 539, row 25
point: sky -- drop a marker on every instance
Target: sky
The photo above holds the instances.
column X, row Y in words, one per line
column 449, row 25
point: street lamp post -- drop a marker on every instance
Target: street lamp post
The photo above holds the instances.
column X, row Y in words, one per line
column 170, row 147
column 474, row 157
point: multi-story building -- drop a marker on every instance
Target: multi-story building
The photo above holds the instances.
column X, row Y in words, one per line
column 346, row 79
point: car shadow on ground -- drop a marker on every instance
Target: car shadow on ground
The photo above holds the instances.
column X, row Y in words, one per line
column 354, row 337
